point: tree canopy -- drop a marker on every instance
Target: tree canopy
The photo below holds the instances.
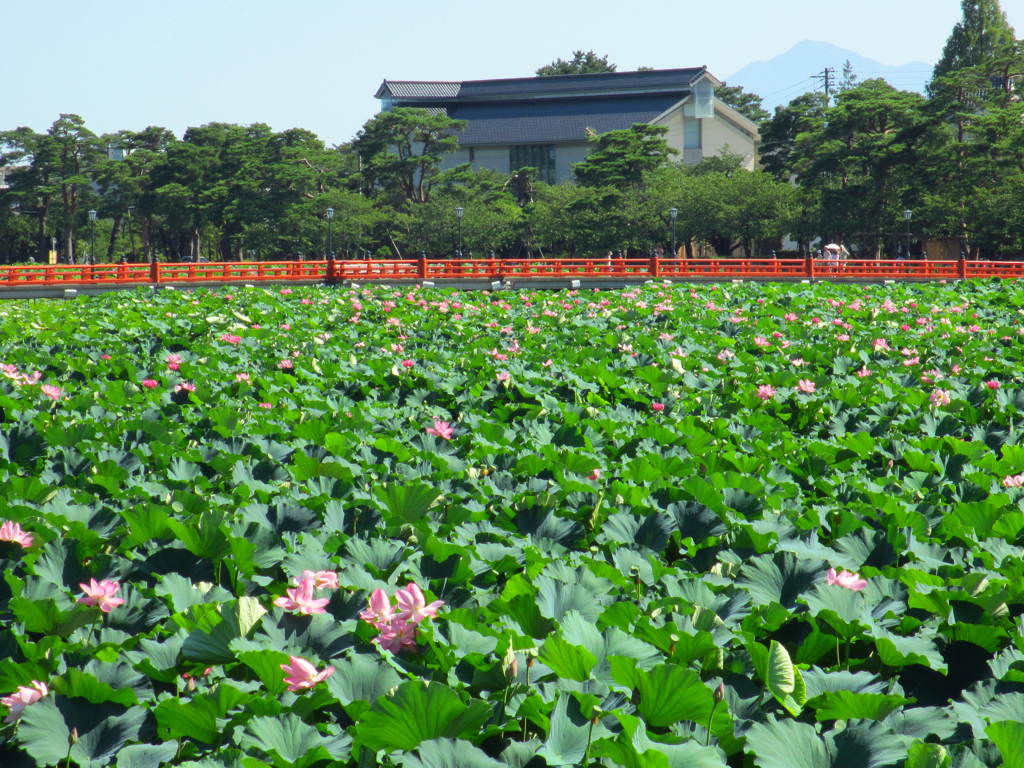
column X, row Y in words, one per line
column 982, row 34
column 620, row 158
column 581, row 63
column 747, row 104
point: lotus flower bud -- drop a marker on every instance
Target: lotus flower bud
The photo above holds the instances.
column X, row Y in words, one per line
column 510, row 665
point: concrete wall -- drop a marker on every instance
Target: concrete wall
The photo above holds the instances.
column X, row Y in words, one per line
column 696, row 138
column 722, row 135
column 674, row 138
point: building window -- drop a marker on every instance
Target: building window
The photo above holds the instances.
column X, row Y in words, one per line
column 539, row 156
column 472, row 155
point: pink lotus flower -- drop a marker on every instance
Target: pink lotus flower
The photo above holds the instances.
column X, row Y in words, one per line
column 408, row 363
column 286, row 365
column 397, row 630
column 380, row 611
column 1013, row 481
column 939, row 397
column 595, row 475
column 657, row 407
column 230, row 338
column 184, row 386
column 398, row 635
column 268, row 406
column 13, row 532
column 51, row 391
column 864, row 372
column 846, row 579
column 149, row 383
column 993, row 384
column 320, row 579
column 243, row 377
column 441, row 429
column 413, row 605
column 503, row 376
column 21, row 698
column 301, row 600
column 101, row 594
column 806, row 386
column 766, row 391
column 881, row 345
column 301, row 675
column 174, row 361
column 105, row 357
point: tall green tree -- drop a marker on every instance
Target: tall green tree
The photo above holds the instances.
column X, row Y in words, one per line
column 862, row 162
column 402, row 149
column 804, row 114
column 581, row 63
column 33, row 188
column 620, row 158
column 124, row 181
column 973, row 82
column 982, row 34
column 72, row 151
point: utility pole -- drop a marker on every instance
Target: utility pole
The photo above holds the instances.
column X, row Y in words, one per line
column 827, row 77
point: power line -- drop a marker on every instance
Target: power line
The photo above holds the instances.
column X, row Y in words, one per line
column 799, row 84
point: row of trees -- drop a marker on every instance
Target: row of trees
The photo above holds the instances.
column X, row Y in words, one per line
column 239, row 192
column 845, row 168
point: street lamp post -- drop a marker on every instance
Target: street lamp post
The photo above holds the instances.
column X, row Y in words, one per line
column 458, row 217
column 907, row 215
column 92, row 237
column 673, row 213
column 330, row 234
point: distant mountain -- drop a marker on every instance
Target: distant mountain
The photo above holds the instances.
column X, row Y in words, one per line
column 790, row 74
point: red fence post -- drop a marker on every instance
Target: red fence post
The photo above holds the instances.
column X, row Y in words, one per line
column 962, row 269
column 422, row 266
column 655, row 267
column 154, row 272
column 809, row 267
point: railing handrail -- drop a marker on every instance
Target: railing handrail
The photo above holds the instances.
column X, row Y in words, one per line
column 581, row 267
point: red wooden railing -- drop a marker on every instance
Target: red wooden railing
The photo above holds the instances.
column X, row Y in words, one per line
column 61, row 275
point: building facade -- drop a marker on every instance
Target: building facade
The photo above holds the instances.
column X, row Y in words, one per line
column 544, row 122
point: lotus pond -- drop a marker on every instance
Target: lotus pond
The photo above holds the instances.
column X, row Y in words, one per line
column 741, row 525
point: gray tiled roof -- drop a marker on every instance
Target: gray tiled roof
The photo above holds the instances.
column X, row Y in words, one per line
column 553, row 121
column 419, row 89
column 559, row 86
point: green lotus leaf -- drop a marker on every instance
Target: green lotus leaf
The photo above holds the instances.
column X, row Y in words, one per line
column 568, row 733
column 448, row 753
column 417, row 712
column 290, row 742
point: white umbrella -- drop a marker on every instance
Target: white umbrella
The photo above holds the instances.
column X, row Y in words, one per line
column 833, row 247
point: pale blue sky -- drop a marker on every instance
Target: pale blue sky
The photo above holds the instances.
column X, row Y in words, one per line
column 315, row 63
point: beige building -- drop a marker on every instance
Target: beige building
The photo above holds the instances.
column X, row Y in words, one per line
column 544, row 122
